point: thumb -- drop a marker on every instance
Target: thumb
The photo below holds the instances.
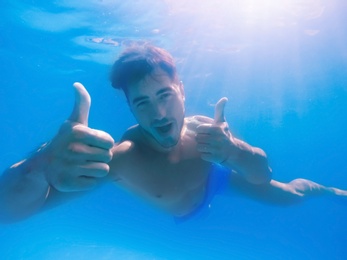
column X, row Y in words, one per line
column 219, row 110
column 82, row 105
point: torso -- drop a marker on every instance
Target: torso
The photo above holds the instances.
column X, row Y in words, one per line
column 175, row 181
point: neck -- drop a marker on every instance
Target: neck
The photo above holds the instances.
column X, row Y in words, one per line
column 156, row 146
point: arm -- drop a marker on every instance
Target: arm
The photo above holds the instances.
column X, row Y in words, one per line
column 75, row 160
column 23, row 189
column 216, row 144
column 250, row 162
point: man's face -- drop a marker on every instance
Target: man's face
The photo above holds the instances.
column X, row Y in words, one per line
column 158, row 106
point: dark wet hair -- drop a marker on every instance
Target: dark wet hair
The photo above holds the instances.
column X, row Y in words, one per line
column 138, row 61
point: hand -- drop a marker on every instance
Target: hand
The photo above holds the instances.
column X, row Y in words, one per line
column 215, row 142
column 77, row 157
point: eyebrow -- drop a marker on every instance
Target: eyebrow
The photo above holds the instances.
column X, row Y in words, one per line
column 161, row 91
column 139, row 99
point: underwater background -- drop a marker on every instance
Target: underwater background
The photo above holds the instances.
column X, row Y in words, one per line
column 282, row 65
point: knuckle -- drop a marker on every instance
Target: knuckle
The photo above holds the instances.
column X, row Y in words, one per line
column 79, row 133
column 74, row 148
column 66, row 127
column 109, row 156
column 108, row 137
column 105, row 168
column 104, row 156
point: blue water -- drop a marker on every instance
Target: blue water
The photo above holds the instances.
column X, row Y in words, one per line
column 283, row 67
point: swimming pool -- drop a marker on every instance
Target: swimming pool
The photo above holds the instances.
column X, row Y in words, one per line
column 283, row 68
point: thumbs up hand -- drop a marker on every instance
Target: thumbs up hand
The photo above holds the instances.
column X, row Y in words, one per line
column 77, row 157
column 214, row 141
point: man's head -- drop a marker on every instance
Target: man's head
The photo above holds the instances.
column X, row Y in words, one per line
column 148, row 77
column 138, row 61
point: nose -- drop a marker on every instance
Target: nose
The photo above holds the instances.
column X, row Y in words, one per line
column 158, row 111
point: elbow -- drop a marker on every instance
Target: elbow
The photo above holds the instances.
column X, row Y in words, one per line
column 261, row 177
column 262, row 173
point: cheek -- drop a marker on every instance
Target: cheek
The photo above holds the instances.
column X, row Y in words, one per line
column 142, row 119
column 139, row 117
column 178, row 104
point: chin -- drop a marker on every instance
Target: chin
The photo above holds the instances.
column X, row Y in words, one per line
column 168, row 145
column 167, row 142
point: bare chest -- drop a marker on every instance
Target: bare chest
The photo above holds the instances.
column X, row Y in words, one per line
column 161, row 177
column 177, row 187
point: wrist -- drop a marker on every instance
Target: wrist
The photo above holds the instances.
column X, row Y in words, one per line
column 241, row 157
column 235, row 153
column 35, row 166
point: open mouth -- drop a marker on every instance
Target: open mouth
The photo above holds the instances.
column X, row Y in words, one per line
column 164, row 129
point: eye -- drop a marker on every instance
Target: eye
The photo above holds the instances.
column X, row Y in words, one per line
column 141, row 105
column 165, row 95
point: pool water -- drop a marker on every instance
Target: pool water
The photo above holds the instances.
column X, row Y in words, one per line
column 283, row 67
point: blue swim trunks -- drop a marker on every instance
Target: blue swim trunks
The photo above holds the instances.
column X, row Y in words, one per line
column 217, row 183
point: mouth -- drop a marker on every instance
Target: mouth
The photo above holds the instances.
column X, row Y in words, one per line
column 164, row 129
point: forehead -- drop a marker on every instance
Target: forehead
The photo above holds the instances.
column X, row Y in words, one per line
column 150, row 84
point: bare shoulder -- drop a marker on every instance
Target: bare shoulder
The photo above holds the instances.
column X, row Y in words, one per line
column 132, row 133
column 193, row 122
column 124, row 152
column 127, row 143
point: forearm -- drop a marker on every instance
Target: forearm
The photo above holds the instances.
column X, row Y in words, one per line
column 250, row 162
column 23, row 189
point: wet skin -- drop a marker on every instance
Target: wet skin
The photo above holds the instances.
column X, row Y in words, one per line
column 158, row 159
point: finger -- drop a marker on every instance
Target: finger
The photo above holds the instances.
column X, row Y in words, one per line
column 213, row 130
column 203, row 148
column 208, row 148
column 79, row 152
column 219, row 110
column 203, row 128
column 95, row 169
column 203, row 139
column 81, row 108
column 93, row 137
column 82, row 177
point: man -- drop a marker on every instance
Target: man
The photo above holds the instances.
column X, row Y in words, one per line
column 175, row 162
